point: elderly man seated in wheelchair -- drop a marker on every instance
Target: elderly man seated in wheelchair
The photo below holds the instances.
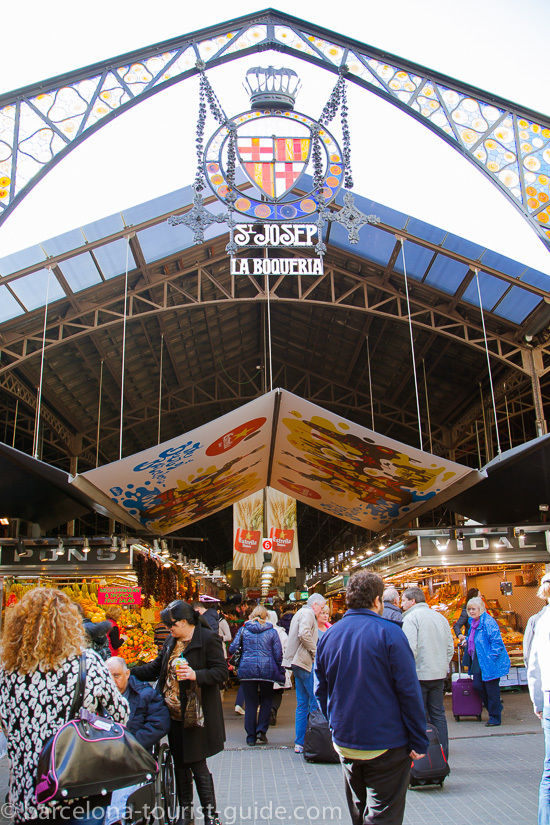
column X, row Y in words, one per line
column 149, row 722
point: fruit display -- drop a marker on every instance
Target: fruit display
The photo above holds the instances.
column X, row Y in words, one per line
column 86, row 595
column 449, row 601
column 139, row 646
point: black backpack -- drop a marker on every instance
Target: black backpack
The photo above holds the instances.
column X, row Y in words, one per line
column 101, row 647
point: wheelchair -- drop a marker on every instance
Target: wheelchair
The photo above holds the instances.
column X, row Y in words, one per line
column 156, row 802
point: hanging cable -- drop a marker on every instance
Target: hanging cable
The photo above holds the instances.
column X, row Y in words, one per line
column 412, row 342
column 370, row 383
column 269, row 328
column 99, row 414
column 488, row 362
column 123, row 347
column 427, row 405
column 39, row 401
column 488, row 455
column 160, row 384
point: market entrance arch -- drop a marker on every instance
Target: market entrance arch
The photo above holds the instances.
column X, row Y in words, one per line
column 41, row 123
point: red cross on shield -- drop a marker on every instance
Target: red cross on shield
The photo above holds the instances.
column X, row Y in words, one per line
column 273, row 164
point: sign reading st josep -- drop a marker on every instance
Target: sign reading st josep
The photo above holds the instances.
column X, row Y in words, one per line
column 276, row 236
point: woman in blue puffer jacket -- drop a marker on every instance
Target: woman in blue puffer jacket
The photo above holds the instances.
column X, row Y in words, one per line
column 259, row 666
column 489, row 658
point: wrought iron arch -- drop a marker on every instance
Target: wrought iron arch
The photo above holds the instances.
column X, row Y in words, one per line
column 41, row 123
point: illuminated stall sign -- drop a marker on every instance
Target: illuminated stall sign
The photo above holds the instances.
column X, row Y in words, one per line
column 493, row 547
column 276, row 236
column 28, row 556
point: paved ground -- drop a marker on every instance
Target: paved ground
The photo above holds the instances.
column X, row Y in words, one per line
column 494, row 777
column 494, row 774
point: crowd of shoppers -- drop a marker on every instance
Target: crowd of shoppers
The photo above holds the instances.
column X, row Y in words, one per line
column 377, row 712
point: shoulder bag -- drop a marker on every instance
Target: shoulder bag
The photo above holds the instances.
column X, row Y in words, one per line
column 237, row 656
column 90, row 755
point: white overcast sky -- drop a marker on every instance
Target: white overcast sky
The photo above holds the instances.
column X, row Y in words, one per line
column 500, row 46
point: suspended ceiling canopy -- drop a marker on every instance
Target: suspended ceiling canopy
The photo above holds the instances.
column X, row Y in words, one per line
column 280, row 441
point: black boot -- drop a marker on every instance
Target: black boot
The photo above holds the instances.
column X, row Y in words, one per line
column 184, row 785
column 205, row 790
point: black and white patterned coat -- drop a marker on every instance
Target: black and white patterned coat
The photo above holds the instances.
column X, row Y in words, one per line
column 33, row 707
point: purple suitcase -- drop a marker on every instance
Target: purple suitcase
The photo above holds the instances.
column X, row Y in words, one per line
column 466, row 700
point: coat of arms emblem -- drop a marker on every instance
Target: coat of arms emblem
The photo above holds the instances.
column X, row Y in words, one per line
column 273, row 147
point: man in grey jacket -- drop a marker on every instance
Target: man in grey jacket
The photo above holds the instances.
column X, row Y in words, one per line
column 299, row 655
column 392, row 611
column 431, row 642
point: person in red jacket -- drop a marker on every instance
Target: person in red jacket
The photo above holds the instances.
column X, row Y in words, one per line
column 114, row 636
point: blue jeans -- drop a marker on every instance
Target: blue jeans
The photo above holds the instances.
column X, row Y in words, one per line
column 305, row 700
column 239, row 700
column 544, row 789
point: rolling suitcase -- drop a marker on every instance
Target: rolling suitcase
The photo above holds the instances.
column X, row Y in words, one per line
column 466, row 700
column 433, row 768
column 318, row 745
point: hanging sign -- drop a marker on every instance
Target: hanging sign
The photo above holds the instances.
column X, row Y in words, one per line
column 119, row 595
column 23, row 556
column 274, row 236
column 492, row 548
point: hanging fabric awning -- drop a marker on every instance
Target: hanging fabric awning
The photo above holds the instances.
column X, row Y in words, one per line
column 282, row 441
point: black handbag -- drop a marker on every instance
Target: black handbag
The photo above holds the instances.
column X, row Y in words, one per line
column 90, row 755
column 237, row 656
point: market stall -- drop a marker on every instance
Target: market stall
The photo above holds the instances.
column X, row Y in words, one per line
column 504, row 563
column 97, row 573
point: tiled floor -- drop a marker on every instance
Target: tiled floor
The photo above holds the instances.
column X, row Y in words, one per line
column 493, row 781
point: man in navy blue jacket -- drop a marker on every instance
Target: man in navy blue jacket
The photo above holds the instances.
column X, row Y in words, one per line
column 366, row 685
column 149, row 718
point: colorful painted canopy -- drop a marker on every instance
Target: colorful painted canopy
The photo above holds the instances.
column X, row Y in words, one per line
column 285, row 442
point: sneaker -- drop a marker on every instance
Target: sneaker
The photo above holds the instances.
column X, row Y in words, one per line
column 239, row 710
column 273, row 718
column 298, row 748
column 261, row 738
column 250, row 742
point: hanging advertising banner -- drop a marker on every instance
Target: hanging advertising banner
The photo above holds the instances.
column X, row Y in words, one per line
column 248, row 521
column 190, row 477
column 282, row 529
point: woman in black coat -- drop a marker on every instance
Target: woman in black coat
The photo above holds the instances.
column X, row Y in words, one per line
column 206, row 668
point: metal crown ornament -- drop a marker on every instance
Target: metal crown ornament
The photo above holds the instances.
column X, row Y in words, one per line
column 272, row 88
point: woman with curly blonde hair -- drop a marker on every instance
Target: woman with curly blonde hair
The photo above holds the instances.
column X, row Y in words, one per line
column 42, row 643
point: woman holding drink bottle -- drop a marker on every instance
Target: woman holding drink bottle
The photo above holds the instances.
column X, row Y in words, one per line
column 192, row 657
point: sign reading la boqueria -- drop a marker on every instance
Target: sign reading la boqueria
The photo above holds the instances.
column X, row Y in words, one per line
column 276, row 236
column 119, row 595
